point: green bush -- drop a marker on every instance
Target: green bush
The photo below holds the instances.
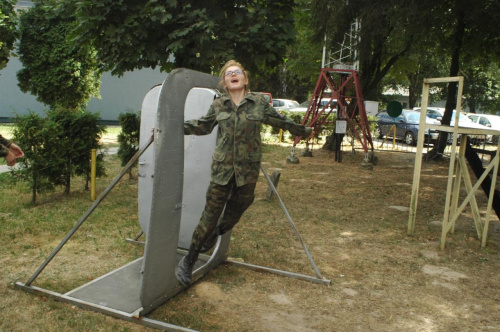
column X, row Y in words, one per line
column 79, row 133
column 57, row 148
column 129, row 136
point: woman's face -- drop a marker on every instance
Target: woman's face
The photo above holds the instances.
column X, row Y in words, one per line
column 235, row 79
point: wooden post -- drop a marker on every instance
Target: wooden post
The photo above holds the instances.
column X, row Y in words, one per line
column 275, row 178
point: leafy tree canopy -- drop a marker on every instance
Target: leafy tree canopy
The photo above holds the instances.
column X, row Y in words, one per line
column 202, row 34
column 409, row 73
column 387, row 32
column 59, row 75
column 398, row 29
column 303, row 65
column 8, row 32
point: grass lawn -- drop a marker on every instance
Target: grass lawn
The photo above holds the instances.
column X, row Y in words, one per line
column 353, row 221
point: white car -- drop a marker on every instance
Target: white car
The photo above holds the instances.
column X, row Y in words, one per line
column 284, row 104
column 489, row 120
column 324, row 101
column 463, row 121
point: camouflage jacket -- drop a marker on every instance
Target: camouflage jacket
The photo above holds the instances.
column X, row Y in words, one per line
column 238, row 149
column 4, row 146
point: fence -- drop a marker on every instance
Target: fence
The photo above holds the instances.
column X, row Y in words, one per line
column 385, row 140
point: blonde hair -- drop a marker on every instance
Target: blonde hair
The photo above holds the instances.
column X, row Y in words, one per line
column 228, row 64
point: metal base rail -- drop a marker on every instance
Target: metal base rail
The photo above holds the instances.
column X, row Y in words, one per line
column 279, row 272
column 134, row 318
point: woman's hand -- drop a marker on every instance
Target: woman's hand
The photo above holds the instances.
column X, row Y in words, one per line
column 10, row 158
column 311, row 134
column 16, row 150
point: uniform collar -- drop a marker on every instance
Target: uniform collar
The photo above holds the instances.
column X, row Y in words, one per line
column 225, row 98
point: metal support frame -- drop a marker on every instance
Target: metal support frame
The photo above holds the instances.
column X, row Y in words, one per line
column 137, row 288
column 136, row 239
column 319, row 279
column 148, row 322
column 295, row 230
column 90, row 210
column 343, row 89
column 346, row 55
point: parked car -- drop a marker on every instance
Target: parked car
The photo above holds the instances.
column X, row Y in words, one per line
column 324, row 101
column 267, row 96
column 284, row 104
column 489, row 120
column 433, row 113
column 463, row 121
column 406, row 127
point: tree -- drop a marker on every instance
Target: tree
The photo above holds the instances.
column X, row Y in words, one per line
column 33, row 133
column 73, row 136
column 463, row 33
column 60, row 75
column 482, row 87
column 57, row 147
column 303, row 59
column 8, row 31
column 388, row 30
column 201, row 35
column 409, row 72
column 128, row 138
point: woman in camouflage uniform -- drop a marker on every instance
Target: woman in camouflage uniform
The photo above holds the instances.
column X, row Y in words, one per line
column 236, row 160
column 10, row 151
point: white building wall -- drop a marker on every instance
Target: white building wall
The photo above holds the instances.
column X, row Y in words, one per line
column 118, row 94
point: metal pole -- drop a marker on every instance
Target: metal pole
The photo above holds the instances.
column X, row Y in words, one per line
column 291, row 222
column 91, row 209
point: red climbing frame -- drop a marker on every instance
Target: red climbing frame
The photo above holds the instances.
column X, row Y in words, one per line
column 342, row 87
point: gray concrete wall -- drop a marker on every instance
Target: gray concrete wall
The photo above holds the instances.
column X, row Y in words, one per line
column 118, row 94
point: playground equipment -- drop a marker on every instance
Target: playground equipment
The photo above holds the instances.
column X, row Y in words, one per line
column 171, row 173
column 458, row 170
column 343, row 89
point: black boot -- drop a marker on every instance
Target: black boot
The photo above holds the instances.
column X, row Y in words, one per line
column 212, row 240
column 185, row 267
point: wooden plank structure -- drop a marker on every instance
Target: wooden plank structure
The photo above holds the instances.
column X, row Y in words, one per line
column 458, row 169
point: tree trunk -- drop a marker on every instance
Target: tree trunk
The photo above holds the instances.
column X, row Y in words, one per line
column 68, row 184
column 451, row 98
column 33, row 193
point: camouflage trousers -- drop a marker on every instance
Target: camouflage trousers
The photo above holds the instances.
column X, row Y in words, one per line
column 224, row 207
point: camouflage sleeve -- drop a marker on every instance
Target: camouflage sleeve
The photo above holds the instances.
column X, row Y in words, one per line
column 4, row 146
column 274, row 119
column 202, row 126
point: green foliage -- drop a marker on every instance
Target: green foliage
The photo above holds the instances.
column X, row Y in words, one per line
column 410, row 72
column 8, row 32
column 302, row 66
column 77, row 134
column 481, row 88
column 57, row 148
column 411, row 40
column 201, row 35
column 128, row 138
column 59, row 75
column 388, row 30
column 33, row 133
